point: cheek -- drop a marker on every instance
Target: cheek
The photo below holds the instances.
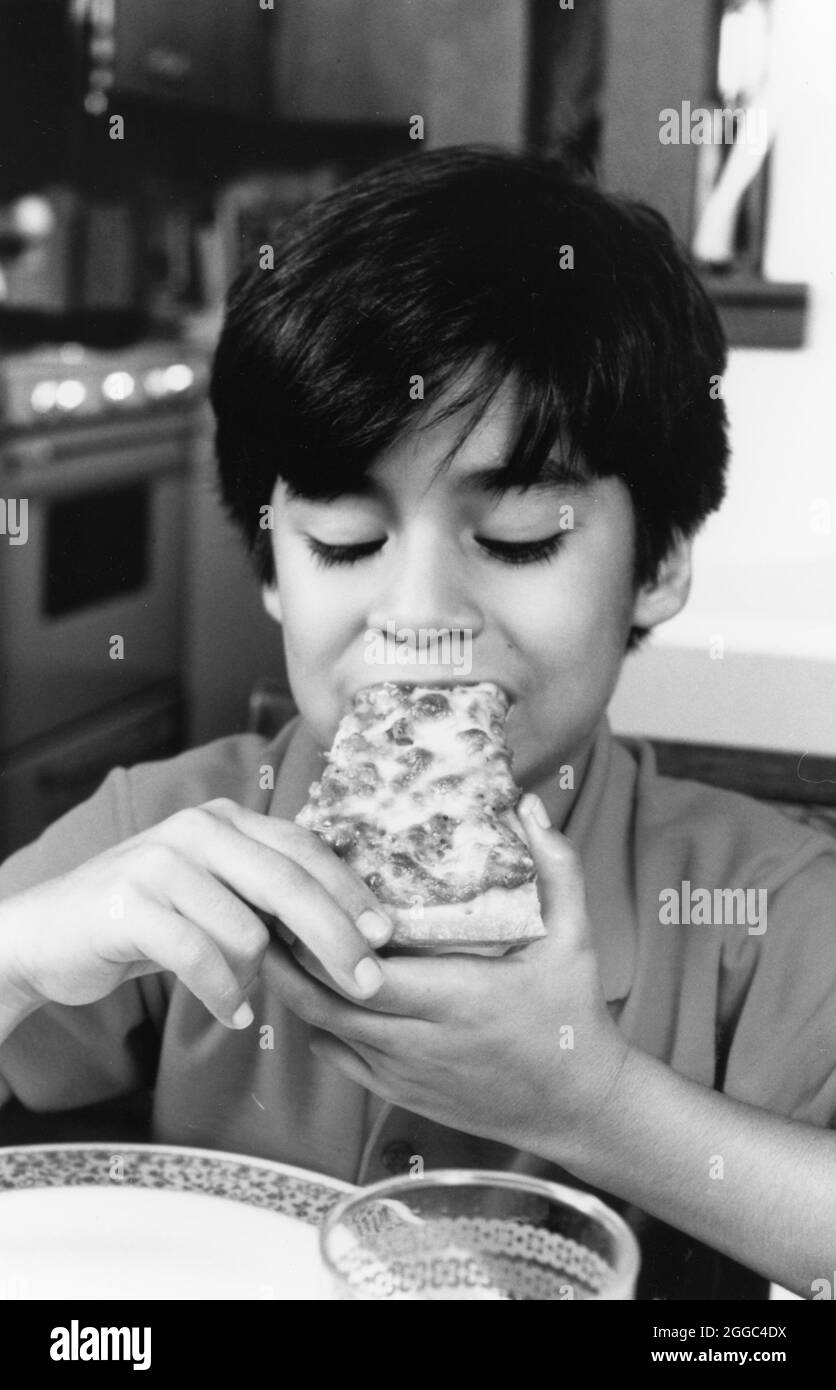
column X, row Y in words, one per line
column 601, row 585
column 315, row 602
column 321, row 619
column 604, row 596
column 580, row 607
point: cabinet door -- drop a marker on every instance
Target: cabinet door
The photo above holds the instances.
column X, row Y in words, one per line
column 461, row 64
column 206, row 52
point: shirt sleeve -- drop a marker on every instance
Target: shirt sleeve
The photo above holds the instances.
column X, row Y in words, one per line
column 64, row 1057
column 778, row 994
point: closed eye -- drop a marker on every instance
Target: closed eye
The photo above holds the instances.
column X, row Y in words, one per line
column 506, row 552
column 341, row 554
column 522, row 552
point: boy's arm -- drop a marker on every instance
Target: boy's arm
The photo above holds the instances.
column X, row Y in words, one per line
column 760, row 1188
column 523, row 1050
column 63, row 1075
column 736, row 1169
column 756, row 1186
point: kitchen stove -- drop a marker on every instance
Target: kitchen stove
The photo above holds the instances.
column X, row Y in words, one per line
column 94, row 453
column 51, row 386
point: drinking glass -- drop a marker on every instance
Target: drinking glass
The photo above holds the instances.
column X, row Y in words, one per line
column 465, row 1234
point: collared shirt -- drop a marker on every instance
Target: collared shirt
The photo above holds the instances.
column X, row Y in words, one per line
column 748, row 1011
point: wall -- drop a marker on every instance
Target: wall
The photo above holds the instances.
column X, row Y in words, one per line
column 765, row 566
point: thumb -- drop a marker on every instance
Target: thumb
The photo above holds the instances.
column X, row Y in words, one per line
column 560, row 881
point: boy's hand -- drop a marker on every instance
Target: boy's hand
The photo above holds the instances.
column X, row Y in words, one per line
column 518, row 1049
column 185, row 896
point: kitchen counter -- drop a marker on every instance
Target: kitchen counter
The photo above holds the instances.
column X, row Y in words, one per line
column 751, row 662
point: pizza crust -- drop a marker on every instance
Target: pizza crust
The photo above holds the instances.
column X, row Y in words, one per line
column 490, row 924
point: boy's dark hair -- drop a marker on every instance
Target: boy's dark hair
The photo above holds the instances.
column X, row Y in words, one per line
column 439, row 263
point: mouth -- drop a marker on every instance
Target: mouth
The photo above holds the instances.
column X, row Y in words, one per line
column 447, row 683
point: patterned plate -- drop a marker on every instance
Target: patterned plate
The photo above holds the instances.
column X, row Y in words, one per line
column 148, row 1221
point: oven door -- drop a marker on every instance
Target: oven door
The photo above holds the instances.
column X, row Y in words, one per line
column 91, row 608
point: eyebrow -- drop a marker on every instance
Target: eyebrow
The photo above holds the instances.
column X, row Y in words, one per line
column 555, row 473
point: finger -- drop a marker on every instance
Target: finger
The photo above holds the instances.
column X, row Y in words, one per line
column 317, row 1004
column 312, row 853
column 201, row 898
column 345, row 1060
column 560, row 882
column 173, row 943
column 278, row 885
column 424, row 988
column 372, row 1056
column 308, row 962
column 305, row 958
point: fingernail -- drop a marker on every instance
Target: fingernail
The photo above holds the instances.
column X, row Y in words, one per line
column 368, row 975
column 243, row 1016
column 375, row 927
column 532, row 806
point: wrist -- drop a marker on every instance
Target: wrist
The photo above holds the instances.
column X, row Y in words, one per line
column 603, row 1106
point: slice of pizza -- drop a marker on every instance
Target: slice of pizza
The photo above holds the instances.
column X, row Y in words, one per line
column 417, row 796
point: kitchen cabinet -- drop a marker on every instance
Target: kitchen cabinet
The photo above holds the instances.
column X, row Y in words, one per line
column 461, row 64
column 205, row 52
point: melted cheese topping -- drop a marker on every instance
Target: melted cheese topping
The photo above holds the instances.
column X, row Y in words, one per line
column 422, row 773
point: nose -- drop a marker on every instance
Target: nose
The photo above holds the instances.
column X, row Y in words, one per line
column 425, row 586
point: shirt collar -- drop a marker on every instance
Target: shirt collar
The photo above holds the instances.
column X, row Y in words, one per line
column 599, row 825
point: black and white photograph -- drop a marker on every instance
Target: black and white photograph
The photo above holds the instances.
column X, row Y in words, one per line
column 418, row 665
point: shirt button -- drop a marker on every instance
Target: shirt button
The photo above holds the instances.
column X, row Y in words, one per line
column 396, row 1155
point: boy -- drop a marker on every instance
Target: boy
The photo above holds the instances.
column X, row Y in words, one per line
column 473, row 395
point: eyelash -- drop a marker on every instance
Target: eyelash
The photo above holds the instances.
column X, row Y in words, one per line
column 507, row 552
